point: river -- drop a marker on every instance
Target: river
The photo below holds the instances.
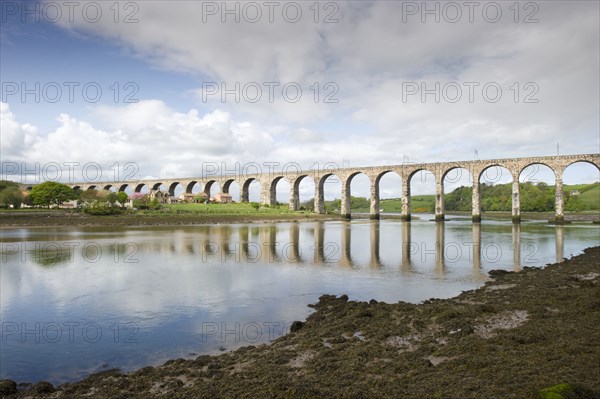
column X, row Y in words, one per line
column 75, row 301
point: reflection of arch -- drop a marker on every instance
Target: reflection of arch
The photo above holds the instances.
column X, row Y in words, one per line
column 516, row 246
column 440, row 248
column 406, row 246
column 374, row 236
column 319, row 239
column 345, row 256
column 293, row 253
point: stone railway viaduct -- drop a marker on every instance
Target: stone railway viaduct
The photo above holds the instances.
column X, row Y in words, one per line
column 268, row 182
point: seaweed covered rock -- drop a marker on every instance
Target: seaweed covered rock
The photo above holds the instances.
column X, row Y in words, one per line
column 43, row 387
column 7, row 387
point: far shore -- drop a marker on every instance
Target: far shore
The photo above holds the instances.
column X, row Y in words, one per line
column 31, row 218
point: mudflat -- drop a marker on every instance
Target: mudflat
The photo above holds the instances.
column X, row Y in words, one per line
column 16, row 219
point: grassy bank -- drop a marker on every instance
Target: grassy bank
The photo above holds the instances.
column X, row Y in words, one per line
column 516, row 336
column 175, row 214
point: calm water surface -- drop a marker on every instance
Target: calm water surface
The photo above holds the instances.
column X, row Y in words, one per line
column 74, row 301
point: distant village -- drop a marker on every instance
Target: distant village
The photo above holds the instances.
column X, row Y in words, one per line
column 154, row 196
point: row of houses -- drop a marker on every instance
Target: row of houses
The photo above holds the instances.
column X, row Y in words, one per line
column 162, row 198
column 165, row 198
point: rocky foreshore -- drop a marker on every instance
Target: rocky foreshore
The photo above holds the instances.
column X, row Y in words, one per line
column 531, row 334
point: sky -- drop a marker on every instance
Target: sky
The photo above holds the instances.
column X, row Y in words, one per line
column 138, row 89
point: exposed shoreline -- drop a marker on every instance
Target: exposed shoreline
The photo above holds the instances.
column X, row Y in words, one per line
column 9, row 220
column 56, row 218
column 519, row 333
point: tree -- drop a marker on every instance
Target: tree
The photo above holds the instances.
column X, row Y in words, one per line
column 88, row 196
column 11, row 196
column 122, row 197
column 50, row 192
column 112, row 198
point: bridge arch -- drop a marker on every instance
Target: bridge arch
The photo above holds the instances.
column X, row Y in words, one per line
column 300, row 186
column 326, row 178
column 584, row 177
column 232, row 187
column 208, row 188
column 491, row 175
column 424, row 179
column 272, row 199
column 457, row 177
column 193, row 187
column 156, row 186
column 392, row 182
column 347, row 190
column 173, row 188
column 246, row 195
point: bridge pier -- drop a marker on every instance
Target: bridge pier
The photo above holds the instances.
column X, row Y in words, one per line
column 374, row 210
column 319, row 197
column 476, row 211
column 516, row 201
column 294, row 197
column 439, row 199
column 345, row 211
column 405, row 215
column 559, row 200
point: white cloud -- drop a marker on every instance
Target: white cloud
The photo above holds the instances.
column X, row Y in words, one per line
column 371, row 51
column 371, row 54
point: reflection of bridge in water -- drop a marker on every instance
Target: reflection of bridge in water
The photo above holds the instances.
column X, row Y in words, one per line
column 294, row 175
column 311, row 245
